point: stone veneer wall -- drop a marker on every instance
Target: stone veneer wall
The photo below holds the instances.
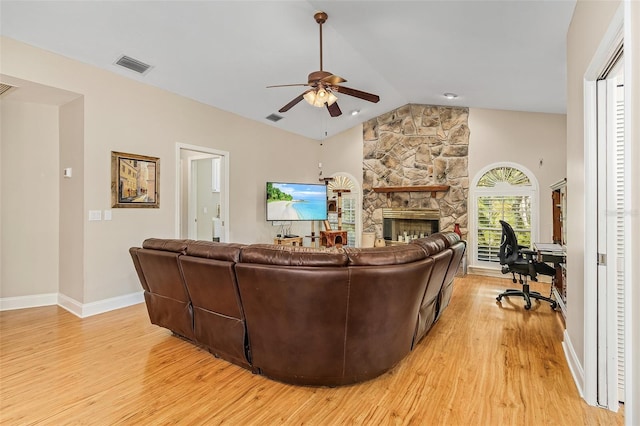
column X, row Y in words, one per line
column 417, row 145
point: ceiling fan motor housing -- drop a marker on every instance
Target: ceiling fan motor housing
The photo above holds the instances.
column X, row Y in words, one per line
column 318, row 75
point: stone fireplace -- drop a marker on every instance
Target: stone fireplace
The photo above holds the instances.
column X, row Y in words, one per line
column 415, row 160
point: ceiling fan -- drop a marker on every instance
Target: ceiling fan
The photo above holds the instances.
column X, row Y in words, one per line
column 323, row 85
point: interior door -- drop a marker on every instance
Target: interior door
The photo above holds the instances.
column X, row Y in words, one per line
column 202, row 194
column 611, row 234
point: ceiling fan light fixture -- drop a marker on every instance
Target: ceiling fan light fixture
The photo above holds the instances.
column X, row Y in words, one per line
column 319, row 97
column 331, row 98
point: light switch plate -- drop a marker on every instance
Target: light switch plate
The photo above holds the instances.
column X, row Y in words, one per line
column 107, row 215
column 95, row 215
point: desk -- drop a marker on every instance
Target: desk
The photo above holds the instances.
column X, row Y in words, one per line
column 291, row 241
column 555, row 253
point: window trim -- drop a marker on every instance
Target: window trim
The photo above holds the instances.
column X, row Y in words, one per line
column 475, row 192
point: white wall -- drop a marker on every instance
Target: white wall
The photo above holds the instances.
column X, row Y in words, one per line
column 343, row 153
column 127, row 116
column 30, row 191
column 524, row 138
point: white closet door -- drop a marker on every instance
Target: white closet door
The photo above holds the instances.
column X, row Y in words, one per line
column 619, row 169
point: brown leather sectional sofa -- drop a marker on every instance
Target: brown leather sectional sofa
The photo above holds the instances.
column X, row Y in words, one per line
column 296, row 314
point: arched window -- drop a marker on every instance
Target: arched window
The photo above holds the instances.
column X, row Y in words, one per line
column 351, row 206
column 502, row 191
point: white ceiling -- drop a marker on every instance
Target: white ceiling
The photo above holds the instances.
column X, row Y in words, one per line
column 507, row 54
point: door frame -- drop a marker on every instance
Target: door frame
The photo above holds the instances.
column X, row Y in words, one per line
column 224, row 190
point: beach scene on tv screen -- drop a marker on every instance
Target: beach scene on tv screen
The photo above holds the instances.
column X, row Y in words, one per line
column 296, row 201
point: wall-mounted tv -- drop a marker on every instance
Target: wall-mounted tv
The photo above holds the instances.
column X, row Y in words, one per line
column 296, row 201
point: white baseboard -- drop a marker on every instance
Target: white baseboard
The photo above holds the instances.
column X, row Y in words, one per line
column 32, row 301
column 574, row 363
column 106, row 305
column 486, row 272
column 496, row 273
column 71, row 305
column 81, row 310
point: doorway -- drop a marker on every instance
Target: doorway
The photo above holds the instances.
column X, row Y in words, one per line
column 202, row 182
column 607, row 207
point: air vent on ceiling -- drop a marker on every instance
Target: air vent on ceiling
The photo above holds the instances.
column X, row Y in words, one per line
column 133, row 64
column 274, row 117
column 4, row 88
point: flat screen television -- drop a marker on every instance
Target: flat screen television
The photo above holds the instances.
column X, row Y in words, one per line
column 296, row 201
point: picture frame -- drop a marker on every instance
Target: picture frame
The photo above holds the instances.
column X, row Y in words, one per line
column 135, row 181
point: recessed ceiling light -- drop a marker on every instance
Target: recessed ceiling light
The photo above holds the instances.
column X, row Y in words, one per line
column 450, row 95
column 355, row 112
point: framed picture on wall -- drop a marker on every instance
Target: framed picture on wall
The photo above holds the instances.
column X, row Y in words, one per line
column 135, row 180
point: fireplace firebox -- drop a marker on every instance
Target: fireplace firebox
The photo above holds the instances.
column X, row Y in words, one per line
column 404, row 224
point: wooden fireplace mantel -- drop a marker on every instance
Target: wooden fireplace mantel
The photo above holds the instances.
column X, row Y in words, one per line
column 429, row 188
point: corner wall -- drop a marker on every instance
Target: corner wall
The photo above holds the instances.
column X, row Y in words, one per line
column 30, row 191
column 71, row 202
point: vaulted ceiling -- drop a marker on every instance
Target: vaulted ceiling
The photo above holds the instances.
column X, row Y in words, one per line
column 506, row 54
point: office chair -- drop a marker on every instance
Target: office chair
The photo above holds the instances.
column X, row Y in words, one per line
column 517, row 259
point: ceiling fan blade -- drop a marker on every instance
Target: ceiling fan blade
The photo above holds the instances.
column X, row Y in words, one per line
column 333, row 79
column 357, row 93
column 288, row 85
column 291, row 104
column 334, row 109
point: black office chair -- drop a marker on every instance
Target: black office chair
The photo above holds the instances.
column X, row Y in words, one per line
column 517, row 259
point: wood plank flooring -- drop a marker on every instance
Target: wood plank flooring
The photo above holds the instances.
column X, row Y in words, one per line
column 481, row 364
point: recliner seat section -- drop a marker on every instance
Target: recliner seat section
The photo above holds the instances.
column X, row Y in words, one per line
column 298, row 314
column 458, row 248
column 218, row 318
column 296, row 305
column 436, row 248
column 166, row 296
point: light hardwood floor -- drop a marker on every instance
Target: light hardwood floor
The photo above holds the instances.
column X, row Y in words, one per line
column 481, row 364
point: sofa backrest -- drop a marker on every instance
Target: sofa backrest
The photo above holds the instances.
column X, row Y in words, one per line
column 159, row 262
column 388, row 255
column 271, row 254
